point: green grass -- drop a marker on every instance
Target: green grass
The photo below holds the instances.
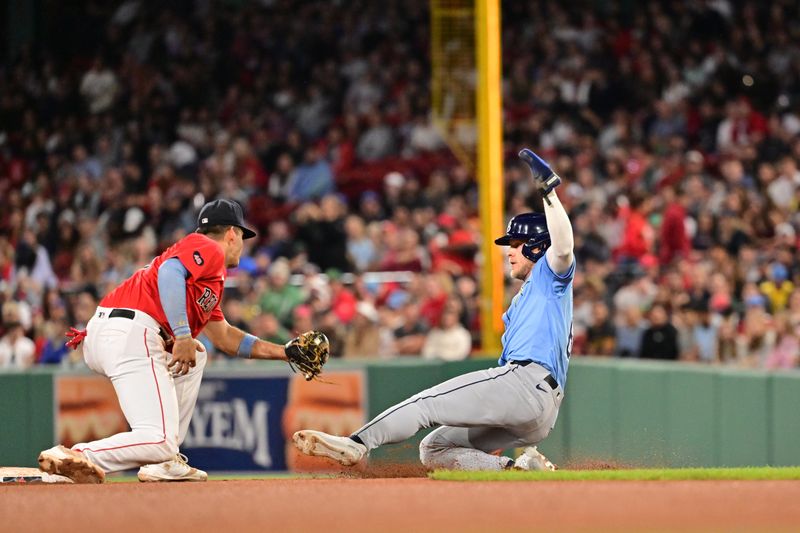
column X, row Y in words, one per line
column 665, row 474
column 649, row 474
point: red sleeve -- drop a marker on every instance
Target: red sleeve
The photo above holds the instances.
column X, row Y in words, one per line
column 201, row 256
column 216, row 313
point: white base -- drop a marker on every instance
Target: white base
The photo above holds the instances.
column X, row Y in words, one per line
column 19, row 474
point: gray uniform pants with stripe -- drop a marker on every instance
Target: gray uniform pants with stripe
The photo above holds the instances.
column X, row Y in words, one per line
column 479, row 413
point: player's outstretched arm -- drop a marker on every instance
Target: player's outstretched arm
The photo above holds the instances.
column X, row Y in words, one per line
column 307, row 353
column 560, row 255
column 231, row 340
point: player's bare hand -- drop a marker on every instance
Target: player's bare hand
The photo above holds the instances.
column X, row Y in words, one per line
column 183, row 355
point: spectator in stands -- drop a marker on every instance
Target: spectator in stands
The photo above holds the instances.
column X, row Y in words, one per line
column 629, row 333
column 600, row 335
column 281, row 298
column 638, row 293
column 377, row 141
column 786, row 353
column 339, row 150
column 7, row 258
column 705, row 335
column 267, row 327
column 361, row 250
column 370, row 207
column 638, row 235
column 52, row 348
column 321, row 229
column 660, row 339
column 727, row 347
column 312, row 179
column 284, row 174
column 393, row 183
column 99, row 86
column 404, row 251
column 16, row 349
column 673, row 240
column 363, row 339
column 409, row 337
column 777, row 287
column 335, row 330
column 343, row 302
column 234, row 312
column 454, row 249
column 466, row 291
column 758, row 335
column 422, row 137
column 449, row 341
column 435, row 291
column 169, row 127
column 302, row 319
column 281, row 243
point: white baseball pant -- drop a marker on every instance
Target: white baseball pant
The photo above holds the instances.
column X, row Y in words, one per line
column 157, row 406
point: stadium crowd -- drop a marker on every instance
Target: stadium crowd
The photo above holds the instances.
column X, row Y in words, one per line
column 674, row 124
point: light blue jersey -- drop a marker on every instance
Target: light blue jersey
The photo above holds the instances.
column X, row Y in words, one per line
column 539, row 321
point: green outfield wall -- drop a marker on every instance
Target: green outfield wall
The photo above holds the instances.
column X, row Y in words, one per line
column 631, row 413
column 26, row 415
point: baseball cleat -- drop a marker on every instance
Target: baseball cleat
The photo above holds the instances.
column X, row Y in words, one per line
column 63, row 461
column 177, row 469
column 344, row 450
column 533, row 459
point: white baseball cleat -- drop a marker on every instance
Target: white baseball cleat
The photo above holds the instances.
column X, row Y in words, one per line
column 341, row 449
column 533, row 459
column 177, row 469
column 62, row 461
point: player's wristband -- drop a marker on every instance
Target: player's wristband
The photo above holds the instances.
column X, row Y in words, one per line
column 246, row 346
column 181, row 332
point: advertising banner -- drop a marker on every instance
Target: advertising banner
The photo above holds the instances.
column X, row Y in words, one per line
column 242, row 422
column 237, row 424
column 338, row 407
column 245, row 423
column 86, row 409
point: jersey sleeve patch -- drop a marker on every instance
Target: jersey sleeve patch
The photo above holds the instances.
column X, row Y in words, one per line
column 201, row 256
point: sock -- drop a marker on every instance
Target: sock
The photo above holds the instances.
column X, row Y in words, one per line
column 357, row 439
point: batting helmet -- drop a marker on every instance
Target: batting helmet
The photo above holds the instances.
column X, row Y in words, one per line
column 531, row 228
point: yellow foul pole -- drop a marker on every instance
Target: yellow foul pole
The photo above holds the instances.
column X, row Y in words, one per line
column 490, row 169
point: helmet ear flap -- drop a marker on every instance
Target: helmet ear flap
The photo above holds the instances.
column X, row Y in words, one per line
column 527, row 249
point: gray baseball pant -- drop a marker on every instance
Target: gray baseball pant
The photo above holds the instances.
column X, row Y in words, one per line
column 479, row 413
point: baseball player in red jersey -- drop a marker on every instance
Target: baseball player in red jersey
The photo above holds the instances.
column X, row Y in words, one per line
column 164, row 305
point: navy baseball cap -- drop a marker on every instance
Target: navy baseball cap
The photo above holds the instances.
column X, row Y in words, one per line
column 224, row 213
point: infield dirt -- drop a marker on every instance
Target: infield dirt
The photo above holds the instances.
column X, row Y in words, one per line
column 407, row 504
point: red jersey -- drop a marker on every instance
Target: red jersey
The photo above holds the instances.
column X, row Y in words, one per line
column 204, row 260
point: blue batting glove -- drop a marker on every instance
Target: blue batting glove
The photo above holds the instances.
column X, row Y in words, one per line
column 546, row 179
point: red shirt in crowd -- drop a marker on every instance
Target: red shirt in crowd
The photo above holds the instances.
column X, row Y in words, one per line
column 204, row 260
column 637, row 237
column 674, row 241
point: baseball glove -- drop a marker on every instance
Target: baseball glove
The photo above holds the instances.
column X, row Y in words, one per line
column 307, row 353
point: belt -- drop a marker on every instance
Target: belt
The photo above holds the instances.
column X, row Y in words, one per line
column 130, row 314
column 549, row 379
